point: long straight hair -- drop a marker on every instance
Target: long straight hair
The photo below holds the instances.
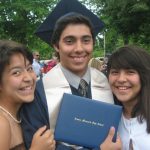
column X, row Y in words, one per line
column 132, row 57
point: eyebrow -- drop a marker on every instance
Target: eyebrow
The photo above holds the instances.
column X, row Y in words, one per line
column 72, row 36
column 18, row 66
column 87, row 36
column 69, row 36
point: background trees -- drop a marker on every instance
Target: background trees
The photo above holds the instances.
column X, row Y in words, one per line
column 126, row 21
column 20, row 18
column 130, row 19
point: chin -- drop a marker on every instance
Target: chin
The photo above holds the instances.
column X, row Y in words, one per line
column 28, row 99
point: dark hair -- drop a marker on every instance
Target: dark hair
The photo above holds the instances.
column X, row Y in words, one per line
column 133, row 57
column 9, row 48
column 70, row 18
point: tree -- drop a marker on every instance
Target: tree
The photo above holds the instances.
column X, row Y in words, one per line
column 129, row 18
column 20, row 18
column 126, row 21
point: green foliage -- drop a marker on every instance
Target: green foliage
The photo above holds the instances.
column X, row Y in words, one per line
column 98, row 50
column 98, row 53
column 127, row 17
column 126, row 21
column 20, row 18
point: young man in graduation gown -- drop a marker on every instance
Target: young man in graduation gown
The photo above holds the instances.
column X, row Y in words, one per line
column 73, row 38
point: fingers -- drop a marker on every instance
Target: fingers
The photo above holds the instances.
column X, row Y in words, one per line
column 111, row 134
column 40, row 131
column 53, row 145
column 118, row 139
column 43, row 139
column 48, row 134
column 108, row 144
column 49, row 137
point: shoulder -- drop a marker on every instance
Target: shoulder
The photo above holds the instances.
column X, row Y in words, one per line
column 5, row 131
column 99, row 79
column 4, row 123
column 55, row 74
column 98, row 74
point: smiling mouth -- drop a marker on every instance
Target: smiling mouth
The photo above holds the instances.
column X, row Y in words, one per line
column 26, row 90
column 123, row 88
column 79, row 58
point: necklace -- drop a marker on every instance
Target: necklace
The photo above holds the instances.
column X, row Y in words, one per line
column 8, row 113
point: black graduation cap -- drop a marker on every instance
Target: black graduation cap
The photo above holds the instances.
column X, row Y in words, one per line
column 45, row 30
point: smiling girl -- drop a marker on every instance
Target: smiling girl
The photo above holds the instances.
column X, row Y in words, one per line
column 129, row 78
column 17, row 85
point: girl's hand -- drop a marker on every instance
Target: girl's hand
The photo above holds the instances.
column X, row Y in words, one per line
column 108, row 144
column 43, row 139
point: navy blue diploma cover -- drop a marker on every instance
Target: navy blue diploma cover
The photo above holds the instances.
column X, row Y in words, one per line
column 85, row 122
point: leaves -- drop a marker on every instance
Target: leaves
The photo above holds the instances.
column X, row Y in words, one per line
column 126, row 21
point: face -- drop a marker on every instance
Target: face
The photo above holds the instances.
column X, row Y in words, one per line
column 37, row 56
column 18, row 81
column 125, row 85
column 75, row 48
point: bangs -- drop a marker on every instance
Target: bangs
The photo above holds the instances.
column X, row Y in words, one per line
column 121, row 63
column 124, row 60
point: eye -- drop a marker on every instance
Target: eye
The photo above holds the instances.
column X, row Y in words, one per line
column 86, row 39
column 16, row 73
column 30, row 69
column 114, row 72
column 131, row 71
column 69, row 40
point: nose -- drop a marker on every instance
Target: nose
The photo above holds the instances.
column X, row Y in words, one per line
column 79, row 46
column 122, row 76
column 27, row 76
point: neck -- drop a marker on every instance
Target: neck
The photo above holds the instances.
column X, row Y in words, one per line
column 10, row 115
column 127, row 112
column 77, row 73
column 12, row 108
column 128, row 108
